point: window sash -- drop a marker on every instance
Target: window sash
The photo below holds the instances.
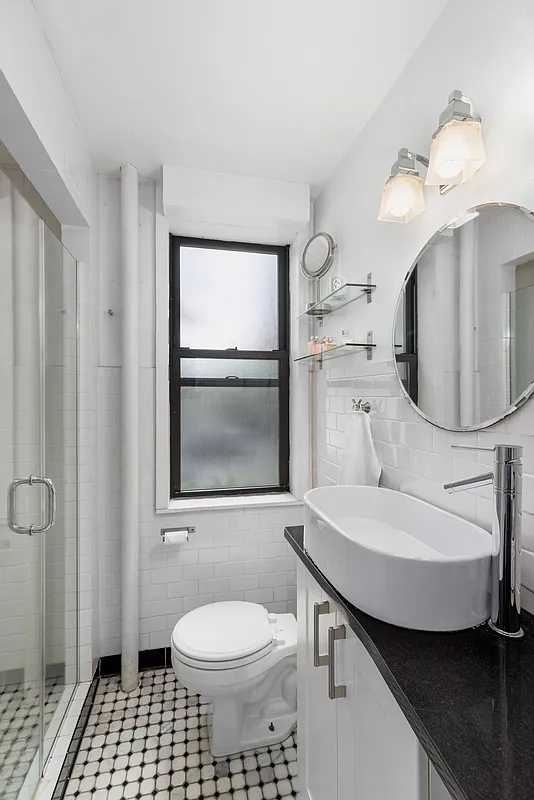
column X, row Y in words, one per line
column 177, row 353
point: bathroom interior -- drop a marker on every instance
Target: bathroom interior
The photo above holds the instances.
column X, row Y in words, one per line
column 267, row 427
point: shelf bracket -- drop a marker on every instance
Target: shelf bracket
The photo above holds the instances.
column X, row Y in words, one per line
column 369, row 342
column 369, row 291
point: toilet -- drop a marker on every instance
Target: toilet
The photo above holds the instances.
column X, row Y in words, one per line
column 244, row 661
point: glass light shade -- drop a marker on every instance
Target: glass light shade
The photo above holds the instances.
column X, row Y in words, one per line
column 402, row 198
column 457, row 152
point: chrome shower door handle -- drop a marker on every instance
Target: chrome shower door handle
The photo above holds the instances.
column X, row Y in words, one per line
column 334, row 635
column 31, row 480
column 51, row 515
column 11, row 506
column 319, row 609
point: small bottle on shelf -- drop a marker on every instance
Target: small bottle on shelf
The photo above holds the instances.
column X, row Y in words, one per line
column 346, row 338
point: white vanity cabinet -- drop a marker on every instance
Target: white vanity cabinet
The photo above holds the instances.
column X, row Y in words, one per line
column 354, row 741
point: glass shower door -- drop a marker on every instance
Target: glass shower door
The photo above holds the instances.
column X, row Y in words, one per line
column 60, row 450
column 21, row 561
column 38, row 508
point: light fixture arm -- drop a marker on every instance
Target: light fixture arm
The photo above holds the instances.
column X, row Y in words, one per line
column 422, row 159
column 406, row 162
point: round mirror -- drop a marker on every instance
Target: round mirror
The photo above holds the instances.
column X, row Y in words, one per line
column 464, row 325
column 318, row 256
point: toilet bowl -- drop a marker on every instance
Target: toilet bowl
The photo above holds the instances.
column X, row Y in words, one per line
column 243, row 660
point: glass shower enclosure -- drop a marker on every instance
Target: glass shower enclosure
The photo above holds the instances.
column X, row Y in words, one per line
column 38, row 491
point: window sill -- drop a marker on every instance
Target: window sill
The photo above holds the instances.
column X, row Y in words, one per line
column 221, row 503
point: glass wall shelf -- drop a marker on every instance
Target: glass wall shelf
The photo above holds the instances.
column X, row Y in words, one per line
column 335, row 352
column 335, row 300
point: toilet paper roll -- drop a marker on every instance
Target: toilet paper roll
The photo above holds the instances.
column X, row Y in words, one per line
column 175, row 537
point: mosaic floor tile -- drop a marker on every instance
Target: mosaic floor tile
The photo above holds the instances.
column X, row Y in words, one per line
column 153, row 743
column 19, row 730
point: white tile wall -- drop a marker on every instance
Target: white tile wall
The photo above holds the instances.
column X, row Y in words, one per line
column 82, row 244
column 416, row 457
column 237, row 554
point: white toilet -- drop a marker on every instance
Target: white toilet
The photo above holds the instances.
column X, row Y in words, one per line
column 244, row 660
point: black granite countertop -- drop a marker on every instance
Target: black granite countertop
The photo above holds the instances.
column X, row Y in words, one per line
column 469, row 696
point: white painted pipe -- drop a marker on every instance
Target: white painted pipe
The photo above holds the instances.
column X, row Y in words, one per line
column 467, row 261
column 130, row 425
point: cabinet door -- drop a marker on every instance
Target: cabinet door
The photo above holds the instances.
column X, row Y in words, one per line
column 361, row 723
column 437, row 790
column 379, row 756
column 317, row 716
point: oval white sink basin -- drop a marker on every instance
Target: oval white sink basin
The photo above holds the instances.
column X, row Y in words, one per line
column 400, row 559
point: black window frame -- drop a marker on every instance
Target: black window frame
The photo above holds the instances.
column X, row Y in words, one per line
column 177, row 352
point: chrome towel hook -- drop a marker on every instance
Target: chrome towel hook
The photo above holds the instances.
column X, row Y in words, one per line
column 361, row 405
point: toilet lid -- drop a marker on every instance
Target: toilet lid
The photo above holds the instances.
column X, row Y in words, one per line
column 223, row 631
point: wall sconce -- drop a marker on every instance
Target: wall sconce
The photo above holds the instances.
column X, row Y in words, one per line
column 457, row 150
column 402, row 196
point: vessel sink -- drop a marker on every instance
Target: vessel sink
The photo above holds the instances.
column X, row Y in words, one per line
column 398, row 558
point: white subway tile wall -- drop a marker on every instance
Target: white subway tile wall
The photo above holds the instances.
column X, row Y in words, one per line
column 235, row 554
column 416, row 457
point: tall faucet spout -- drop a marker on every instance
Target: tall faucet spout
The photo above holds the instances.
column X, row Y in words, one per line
column 506, row 477
column 467, row 483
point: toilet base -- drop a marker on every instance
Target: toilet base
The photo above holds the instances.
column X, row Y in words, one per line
column 258, row 718
column 257, row 738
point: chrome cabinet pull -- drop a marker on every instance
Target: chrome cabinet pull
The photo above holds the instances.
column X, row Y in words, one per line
column 319, row 609
column 334, row 635
column 31, row 480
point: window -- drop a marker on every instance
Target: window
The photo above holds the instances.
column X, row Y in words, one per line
column 229, row 368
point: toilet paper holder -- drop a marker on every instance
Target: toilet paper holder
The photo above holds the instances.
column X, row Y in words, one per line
column 182, row 538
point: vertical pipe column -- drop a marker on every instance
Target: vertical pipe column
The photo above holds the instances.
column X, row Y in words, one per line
column 467, row 261
column 130, row 425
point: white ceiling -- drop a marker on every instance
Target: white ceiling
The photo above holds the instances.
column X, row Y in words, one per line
column 267, row 88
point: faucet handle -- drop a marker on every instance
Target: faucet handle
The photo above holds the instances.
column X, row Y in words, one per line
column 471, row 447
column 503, row 452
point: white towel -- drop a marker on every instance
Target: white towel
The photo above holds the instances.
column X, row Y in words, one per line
column 359, row 465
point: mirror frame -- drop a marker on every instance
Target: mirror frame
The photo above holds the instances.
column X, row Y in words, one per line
column 327, row 263
column 522, row 399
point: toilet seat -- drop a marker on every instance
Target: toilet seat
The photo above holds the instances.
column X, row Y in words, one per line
column 224, row 636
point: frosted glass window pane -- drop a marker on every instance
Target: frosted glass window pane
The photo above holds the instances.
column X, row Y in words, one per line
column 229, row 437
column 223, row 367
column 228, row 298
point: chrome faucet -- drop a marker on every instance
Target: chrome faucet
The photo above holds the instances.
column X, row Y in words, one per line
column 507, row 480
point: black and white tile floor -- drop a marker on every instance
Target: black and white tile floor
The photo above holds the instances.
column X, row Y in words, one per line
column 153, row 743
column 19, row 730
